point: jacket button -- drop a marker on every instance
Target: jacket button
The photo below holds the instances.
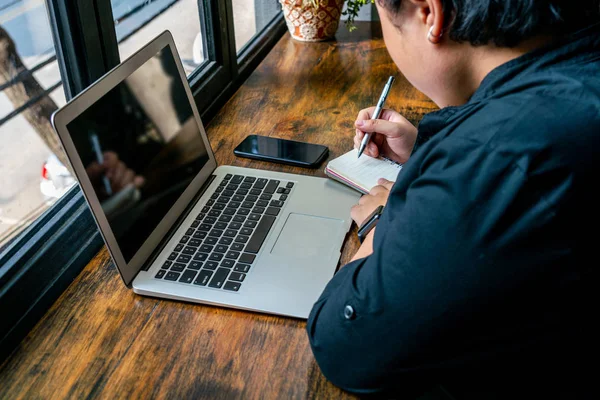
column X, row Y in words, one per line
column 349, row 312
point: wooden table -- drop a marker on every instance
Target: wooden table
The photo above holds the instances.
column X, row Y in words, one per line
column 101, row 340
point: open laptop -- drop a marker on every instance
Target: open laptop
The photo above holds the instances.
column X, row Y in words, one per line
column 176, row 225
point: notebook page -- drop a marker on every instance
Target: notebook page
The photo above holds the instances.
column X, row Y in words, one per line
column 364, row 171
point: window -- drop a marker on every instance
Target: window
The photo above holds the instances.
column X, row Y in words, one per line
column 47, row 234
column 250, row 17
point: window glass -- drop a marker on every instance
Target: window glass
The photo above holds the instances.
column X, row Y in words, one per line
column 32, row 171
column 139, row 21
column 250, row 17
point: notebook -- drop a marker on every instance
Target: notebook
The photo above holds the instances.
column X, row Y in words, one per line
column 187, row 228
column 361, row 173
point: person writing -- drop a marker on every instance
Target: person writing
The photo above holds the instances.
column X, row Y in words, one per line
column 480, row 261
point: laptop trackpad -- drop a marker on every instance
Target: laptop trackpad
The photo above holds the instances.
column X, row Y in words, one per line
column 308, row 236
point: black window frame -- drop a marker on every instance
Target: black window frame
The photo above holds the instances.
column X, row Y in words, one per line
column 41, row 262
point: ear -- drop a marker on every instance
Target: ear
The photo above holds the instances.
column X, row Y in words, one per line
column 431, row 14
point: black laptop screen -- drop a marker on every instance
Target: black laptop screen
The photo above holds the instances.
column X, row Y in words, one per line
column 141, row 147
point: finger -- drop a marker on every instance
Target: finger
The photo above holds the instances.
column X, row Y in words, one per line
column 110, row 159
column 364, row 199
column 386, row 128
column 117, row 175
column 375, row 190
column 139, row 181
column 385, row 183
column 365, row 113
column 127, row 177
column 356, row 142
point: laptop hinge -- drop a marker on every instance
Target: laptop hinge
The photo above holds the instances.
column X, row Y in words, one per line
column 182, row 217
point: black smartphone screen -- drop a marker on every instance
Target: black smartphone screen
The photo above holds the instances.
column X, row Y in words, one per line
column 281, row 151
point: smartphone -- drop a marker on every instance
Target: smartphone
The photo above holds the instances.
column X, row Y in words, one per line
column 281, row 151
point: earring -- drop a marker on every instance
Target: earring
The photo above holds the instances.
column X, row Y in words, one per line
column 433, row 38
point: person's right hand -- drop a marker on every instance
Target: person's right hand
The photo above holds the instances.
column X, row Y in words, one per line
column 118, row 174
column 392, row 135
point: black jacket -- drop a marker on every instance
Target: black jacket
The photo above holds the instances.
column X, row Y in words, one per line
column 484, row 253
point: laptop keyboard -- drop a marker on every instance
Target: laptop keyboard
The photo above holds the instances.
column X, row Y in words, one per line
column 219, row 247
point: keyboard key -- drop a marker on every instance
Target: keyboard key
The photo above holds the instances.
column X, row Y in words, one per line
column 205, row 227
column 219, row 189
column 237, row 246
column 283, row 197
column 266, row 196
column 199, row 235
column 262, row 203
column 225, row 218
column 242, row 239
column 289, row 185
column 160, row 274
column 258, row 210
column 225, row 240
column 195, row 242
column 255, row 192
column 243, row 211
column 219, row 278
column 229, row 211
column 233, row 286
column 188, row 276
column 254, row 217
column 223, row 199
column 238, row 198
column 247, row 258
column 246, row 185
column 212, row 265
column 260, row 183
column 227, row 263
column 195, row 224
column 239, row 218
column 236, row 276
column 211, row 240
column 221, row 249
column 232, row 187
column 251, row 198
column 227, row 177
column 272, row 211
column 230, row 233
column 242, row 192
column 167, row 264
column 228, row 193
column 195, row 265
column 203, row 277
column 210, row 202
column 210, row 220
column 200, row 257
column 214, row 196
column 286, row 191
column 216, row 232
column 250, row 224
column 184, row 258
column 237, row 179
column 205, row 209
column 246, row 231
column 206, row 248
column 271, row 186
column 249, row 179
column 276, row 203
column 216, row 257
column 235, row 225
column 223, row 183
column 172, row 256
column 178, row 267
column 232, row 254
column 172, row 276
column 235, row 204
column 280, row 190
column 241, row 268
column 247, row 204
column 260, row 233
column 221, row 225
column 189, row 250
column 214, row 213
column 184, row 239
column 200, row 216
column 219, row 206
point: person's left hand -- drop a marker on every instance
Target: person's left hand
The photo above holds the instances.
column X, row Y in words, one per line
column 369, row 202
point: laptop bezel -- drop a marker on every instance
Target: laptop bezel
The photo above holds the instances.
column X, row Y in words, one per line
column 62, row 117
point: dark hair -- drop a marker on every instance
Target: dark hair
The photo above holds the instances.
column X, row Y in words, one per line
column 506, row 23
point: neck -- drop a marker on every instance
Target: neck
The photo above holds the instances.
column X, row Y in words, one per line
column 475, row 63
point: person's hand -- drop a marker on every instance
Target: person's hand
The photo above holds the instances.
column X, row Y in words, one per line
column 118, row 174
column 369, row 202
column 392, row 135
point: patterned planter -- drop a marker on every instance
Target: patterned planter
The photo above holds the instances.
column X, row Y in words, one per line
column 310, row 24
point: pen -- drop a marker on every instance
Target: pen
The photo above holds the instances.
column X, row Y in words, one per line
column 378, row 108
column 100, row 159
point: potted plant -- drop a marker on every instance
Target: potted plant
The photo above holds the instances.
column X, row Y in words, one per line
column 317, row 20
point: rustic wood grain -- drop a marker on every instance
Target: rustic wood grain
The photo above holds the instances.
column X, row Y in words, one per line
column 100, row 340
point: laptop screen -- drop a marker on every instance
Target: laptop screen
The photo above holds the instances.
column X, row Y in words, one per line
column 141, row 147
